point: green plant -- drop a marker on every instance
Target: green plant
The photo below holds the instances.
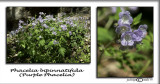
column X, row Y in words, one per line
column 49, row 39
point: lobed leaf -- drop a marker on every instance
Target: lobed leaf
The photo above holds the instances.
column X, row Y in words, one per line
column 62, row 51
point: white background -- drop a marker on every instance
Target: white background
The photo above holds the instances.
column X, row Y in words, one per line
column 89, row 75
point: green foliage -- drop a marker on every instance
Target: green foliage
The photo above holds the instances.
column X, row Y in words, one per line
column 42, row 42
column 147, row 43
column 137, row 19
column 49, row 42
column 135, row 56
column 136, row 59
column 102, row 37
column 107, row 53
column 116, row 16
column 62, row 51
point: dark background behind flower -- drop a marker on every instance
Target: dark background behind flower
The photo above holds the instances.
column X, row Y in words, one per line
column 112, row 61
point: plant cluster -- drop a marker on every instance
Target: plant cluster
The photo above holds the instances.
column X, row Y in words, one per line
column 123, row 43
column 129, row 37
column 50, row 39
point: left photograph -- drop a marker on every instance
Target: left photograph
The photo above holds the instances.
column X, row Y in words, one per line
column 48, row 35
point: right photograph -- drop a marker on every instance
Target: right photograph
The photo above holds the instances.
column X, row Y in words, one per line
column 125, row 42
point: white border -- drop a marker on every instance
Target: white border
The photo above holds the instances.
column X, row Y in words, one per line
column 89, row 75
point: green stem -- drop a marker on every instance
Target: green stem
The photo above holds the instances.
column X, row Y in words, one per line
column 144, row 68
column 109, row 23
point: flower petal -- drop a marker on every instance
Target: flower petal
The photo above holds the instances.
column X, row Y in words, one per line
column 125, row 18
column 123, row 28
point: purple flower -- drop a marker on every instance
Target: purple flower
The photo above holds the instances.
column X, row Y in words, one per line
column 33, row 24
column 52, row 29
column 36, row 21
column 60, row 21
column 60, row 30
column 44, row 25
column 67, row 22
column 133, row 8
column 86, row 21
column 143, row 28
column 68, row 18
column 12, row 33
column 49, row 17
column 71, row 23
column 54, row 19
column 125, row 18
column 20, row 21
column 17, row 30
column 138, row 35
column 54, row 33
column 114, row 9
column 64, row 27
column 32, row 18
column 123, row 28
column 70, row 33
column 123, row 9
column 25, row 24
column 20, row 27
column 127, row 39
column 55, row 42
column 40, row 19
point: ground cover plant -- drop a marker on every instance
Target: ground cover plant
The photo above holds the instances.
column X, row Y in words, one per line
column 125, row 42
column 50, row 39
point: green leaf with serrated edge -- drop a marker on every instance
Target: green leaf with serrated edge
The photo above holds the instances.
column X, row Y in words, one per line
column 137, row 19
